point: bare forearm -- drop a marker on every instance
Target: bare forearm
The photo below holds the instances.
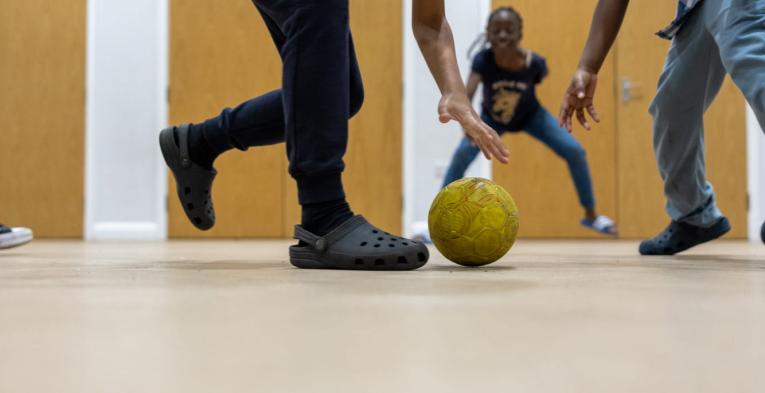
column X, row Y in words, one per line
column 434, row 37
column 606, row 22
column 437, row 45
column 472, row 85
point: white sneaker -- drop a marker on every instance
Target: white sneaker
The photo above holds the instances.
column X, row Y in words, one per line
column 14, row 237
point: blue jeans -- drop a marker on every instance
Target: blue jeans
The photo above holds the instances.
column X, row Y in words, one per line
column 543, row 127
column 722, row 37
column 321, row 90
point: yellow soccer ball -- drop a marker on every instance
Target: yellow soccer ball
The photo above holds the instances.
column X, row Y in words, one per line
column 473, row 222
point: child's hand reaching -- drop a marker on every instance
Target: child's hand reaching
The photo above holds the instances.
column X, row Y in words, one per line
column 457, row 107
column 579, row 96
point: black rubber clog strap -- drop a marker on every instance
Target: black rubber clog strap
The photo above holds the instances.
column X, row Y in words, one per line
column 322, row 243
column 183, row 141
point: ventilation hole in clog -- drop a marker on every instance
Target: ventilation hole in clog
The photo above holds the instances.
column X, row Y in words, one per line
column 377, row 246
column 402, row 260
column 187, row 190
column 391, row 245
column 363, row 244
column 190, row 206
column 421, row 257
column 393, row 239
column 379, row 262
column 359, row 261
column 379, row 239
column 197, row 220
column 375, row 231
column 405, row 243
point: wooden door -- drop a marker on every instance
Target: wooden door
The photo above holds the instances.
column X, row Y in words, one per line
column 42, row 107
column 640, row 59
column 221, row 55
column 538, row 180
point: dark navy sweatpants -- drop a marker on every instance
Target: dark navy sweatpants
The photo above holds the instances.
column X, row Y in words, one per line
column 321, row 90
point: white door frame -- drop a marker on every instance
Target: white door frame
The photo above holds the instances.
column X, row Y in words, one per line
column 412, row 172
column 756, row 175
column 126, row 105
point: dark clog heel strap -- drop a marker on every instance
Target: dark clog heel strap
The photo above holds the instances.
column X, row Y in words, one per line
column 317, row 242
column 183, row 141
column 322, row 243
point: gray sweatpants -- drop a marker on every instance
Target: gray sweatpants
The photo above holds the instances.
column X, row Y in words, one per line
column 722, row 37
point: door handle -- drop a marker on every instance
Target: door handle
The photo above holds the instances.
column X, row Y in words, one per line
column 631, row 91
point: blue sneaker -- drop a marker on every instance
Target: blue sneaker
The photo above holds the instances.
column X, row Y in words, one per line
column 602, row 225
column 678, row 237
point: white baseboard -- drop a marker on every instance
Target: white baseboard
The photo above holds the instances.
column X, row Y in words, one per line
column 126, row 231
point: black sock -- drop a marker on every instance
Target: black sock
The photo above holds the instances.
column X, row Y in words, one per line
column 200, row 151
column 321, row 218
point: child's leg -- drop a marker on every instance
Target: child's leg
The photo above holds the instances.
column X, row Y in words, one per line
column 260, row 121
column 461, row 159
column 544, row 127
column 740, row 34
column 692, row 77
column 316, row 54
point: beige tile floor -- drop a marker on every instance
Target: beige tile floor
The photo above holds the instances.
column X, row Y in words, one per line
column 231, row 316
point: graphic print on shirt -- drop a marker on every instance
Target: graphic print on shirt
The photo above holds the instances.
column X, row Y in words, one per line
column 508, row 98
column 507, row 95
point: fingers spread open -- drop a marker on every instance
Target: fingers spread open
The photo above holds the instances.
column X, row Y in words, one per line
column 484, row 149
column 562, row 114
column 565, row 116
column 500, row 150
column 582, row 119
column 593, row 113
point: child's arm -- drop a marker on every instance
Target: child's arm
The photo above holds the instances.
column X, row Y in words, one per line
column 472, row 84
column 436, row 42
column 606, row 22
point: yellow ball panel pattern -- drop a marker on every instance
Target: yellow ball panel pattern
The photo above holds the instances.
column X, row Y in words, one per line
column 473, row 222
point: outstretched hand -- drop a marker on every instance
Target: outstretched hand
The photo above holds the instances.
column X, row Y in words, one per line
column 457, row 107
column 578, row 99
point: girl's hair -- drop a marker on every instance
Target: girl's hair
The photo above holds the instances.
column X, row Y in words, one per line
column 480, row 41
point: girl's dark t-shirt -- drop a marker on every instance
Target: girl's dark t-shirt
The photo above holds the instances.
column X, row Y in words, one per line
column 509, row 98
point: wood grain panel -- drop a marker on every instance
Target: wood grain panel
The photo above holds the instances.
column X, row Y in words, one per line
column 640, row 60
column 42, row 104
column 538, row 180
column 641, row 199
column 221, row 55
